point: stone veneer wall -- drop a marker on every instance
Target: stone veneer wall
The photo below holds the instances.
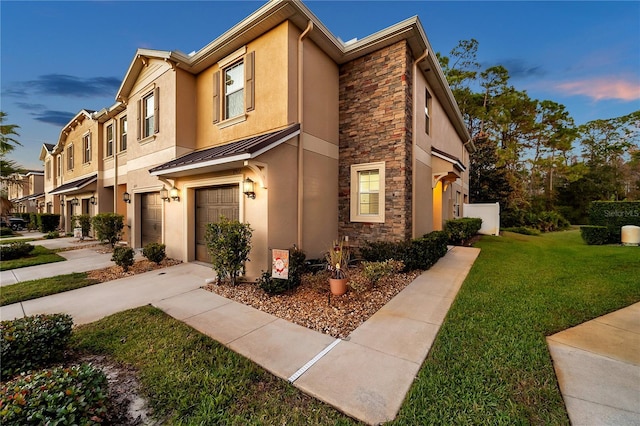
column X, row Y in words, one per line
column 375, row 125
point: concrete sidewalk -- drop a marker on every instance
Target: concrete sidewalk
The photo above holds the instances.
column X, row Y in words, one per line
column 365, row 376
column 81, row 260
column 598, row 368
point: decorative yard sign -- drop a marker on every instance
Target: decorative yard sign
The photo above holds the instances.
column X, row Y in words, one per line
column 280, row 264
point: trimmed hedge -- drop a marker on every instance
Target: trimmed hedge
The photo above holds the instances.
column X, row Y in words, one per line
column 15, row 250
column 594, row 235
column 64, row 396
column 418, row 254
column 154, row 252
column 123, row 257
column 614, row 215
column 108, row 227
column 273, row 286
column 32, row 342
column 82, row 221
column 4, row 231
column 459, row 231
column 48, row 222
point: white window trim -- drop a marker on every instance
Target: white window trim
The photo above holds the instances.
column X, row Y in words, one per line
column 113, row 140
column 86, row 149
column 355, row 216
column 145, row 116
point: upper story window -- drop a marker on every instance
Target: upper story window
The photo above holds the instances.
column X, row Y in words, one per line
column 59, row 165
column 427, row 112
column 368, row 192
column 148, row 114
column 123, row 133
column 233, row 87
column 86, row 148
column 109, row 140
column 47, row 170
column 148, row 107
column 70, row 157
column 234, row 90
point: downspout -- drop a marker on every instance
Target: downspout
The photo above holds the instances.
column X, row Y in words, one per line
column 414, row 130
column 300, row 138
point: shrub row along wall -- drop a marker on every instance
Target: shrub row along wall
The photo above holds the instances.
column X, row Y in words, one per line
column 613, row 215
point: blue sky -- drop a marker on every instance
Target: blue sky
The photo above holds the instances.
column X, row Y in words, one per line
column 60, row 57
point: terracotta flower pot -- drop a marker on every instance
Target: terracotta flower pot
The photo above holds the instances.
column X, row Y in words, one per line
column 338, row 286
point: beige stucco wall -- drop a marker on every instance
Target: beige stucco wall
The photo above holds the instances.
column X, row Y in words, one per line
column 271, row 93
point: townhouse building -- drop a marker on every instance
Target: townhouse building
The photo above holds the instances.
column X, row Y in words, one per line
column 279, row 124
column 25, row 191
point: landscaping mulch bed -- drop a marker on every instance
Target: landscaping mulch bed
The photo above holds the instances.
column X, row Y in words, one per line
column 311, row 305
column 140, row 266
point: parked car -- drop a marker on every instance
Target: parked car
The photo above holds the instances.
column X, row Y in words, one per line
column 15, row 223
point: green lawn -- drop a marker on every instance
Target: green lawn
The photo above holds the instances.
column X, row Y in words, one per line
column 33, row 289
column 40, row 255
column 489, row 364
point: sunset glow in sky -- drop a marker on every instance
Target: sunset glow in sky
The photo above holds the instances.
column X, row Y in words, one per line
column 60, row 57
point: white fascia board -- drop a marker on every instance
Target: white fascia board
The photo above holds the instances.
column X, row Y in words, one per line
column 449, row 160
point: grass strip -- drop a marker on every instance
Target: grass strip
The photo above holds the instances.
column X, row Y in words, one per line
column 490, row 363
column 11, row 239
column 27, row 290
column 190, row 379
column 39, row 256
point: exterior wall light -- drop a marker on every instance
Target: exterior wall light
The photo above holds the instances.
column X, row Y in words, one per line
column 75, row 201
column 164, row 194
column 93, row 200
column 174, row 194
column 248, row 188
column 61, row 202
column 126, row 197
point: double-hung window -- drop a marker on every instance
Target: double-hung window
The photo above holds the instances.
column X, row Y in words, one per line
column 123, row 133
column 368, row 192
column 234, row 90
column 109, row 140
column 70, row 157
column 47, row 170
column 148, row 120
column 86, row 149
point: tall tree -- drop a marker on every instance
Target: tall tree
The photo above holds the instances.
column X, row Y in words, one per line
column 8, row 168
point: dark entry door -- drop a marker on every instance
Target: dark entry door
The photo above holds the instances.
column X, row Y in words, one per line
column 211, row 203
column 151, row 218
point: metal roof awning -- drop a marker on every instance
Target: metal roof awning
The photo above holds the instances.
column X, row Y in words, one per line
column 75, row 185
column 225, row 156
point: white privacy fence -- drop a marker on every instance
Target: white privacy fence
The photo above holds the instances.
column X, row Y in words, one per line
column 489, row 213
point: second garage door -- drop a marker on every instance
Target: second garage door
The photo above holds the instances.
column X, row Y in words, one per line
column 211, row 203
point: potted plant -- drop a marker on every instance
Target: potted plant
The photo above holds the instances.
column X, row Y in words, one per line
column 337, row 260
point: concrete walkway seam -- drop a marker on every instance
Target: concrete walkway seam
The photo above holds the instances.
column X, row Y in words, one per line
column 313, row 360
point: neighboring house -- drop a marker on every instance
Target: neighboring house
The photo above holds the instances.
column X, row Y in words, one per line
column 279, row 124
column 26, row 191
column 72, row 168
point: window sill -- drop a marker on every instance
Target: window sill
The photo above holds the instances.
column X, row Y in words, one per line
column 231, row 121
column 367, row 219
column 147, row 139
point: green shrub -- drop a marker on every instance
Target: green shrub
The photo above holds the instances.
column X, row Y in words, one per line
column 459, row 231
column 155, row 252
column 595, row 235
column 379, row 251
column 123, row 257
column 523, row 230
column 614, row 215
column 297, row 265
column 420, row 253
column 108, row 227
column 4, row 231
column 83, row 221
column 375, row 271
column 48, row 222
column 229, row 244
column 52, row 235
column 32, row 342
column 423, row 253
column 15, row 250
column 32, row 223
column 549, row 221
column 67, row 396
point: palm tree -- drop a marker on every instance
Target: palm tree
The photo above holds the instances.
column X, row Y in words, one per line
column 8, row 167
